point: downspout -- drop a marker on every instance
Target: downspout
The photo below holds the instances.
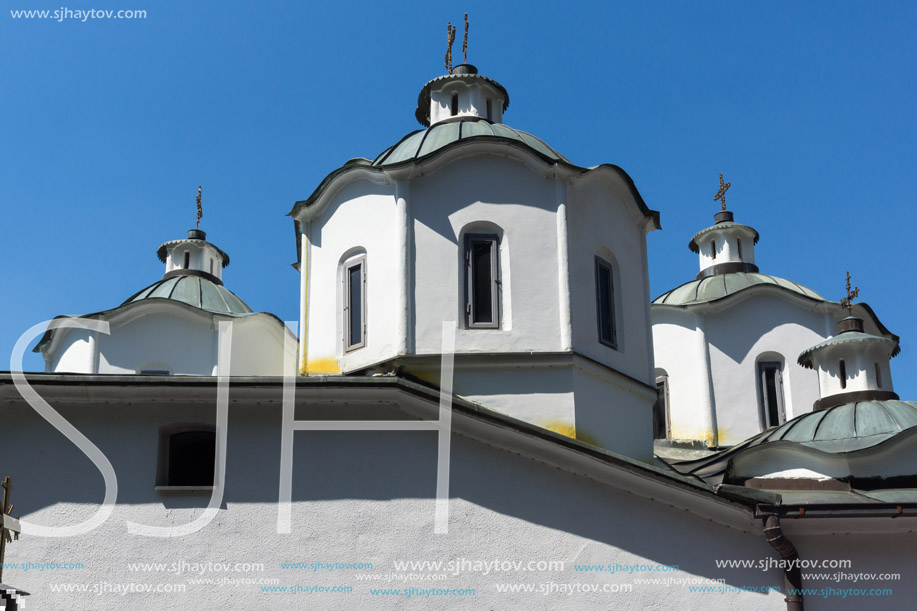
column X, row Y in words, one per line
column 792, row 575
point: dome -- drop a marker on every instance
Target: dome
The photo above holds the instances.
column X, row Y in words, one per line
column 717, row 287
column 847, row 427
column 194, row 291
column 424, row 142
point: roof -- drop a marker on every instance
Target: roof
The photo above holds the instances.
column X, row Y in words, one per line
column 847, row 427
column 721, row 286
column 421, row 143
column 165, row 247
column 196, row 291
column 423, row 99
column 848, row 337
column 737, row 227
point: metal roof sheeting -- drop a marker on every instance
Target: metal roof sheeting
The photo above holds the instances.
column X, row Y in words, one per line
column 723, row 285
column 195, row 291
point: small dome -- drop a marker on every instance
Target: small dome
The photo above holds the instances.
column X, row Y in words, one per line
column 195, row 291
column 847, row 427
column 724, row 285
column 424, row 142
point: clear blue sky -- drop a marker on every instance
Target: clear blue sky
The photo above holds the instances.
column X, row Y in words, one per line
column 110, row 125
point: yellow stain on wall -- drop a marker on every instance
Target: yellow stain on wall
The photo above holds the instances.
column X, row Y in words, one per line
column 328, row 365
column 564, row 428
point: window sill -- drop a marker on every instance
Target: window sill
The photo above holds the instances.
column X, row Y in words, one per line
column 183, row 488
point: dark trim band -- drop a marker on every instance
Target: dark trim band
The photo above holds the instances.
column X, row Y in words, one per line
column 727, row 268
column 854, row 396
column 192, row 272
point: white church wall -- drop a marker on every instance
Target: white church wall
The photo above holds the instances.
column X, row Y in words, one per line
column 258, row 347
column 151, row 333
column 74, row 354
column 504, row 507
column 478, row 193
column 600, row 223
column 362, row 218
column 680, row 355
column 760, row 327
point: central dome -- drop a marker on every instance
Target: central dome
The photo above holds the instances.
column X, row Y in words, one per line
column 424, row 142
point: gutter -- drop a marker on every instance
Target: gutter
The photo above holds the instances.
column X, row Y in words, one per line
column 792, row 575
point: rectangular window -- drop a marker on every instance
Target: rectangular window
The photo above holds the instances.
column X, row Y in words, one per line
column 211, row 267
column 355, row 304
column 187, row 260
column 482, row 281
column 190, row 458
column 843, row 374
column 661, row 410
column 605, row 302
column 878, row 376
column 713, row 249
column 739, row 247
column 489, row 111
column 770, row 374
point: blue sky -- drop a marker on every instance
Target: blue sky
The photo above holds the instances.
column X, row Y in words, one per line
column 110, row 125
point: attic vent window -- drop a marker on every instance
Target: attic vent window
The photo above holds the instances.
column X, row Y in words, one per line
column 187, row 458
column 454, row 104
column 489, row 111
column 187, row 260
column 843, row 373
column 713, row 248
column 739, row 248
column 878, row 376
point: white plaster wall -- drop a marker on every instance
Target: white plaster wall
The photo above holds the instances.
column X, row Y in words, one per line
column 505, row 193
column 860, row 363
column 599, row 222
column 360, row 497
column 679, row 352
column 199, row 259
column 727, row 248
column 472, row 102
column 361, row 216
column 164, row 335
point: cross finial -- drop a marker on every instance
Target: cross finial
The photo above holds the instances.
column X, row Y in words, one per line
column 450, row 38
column 847, row 302
column 721, row 194
column 6, row 508
column 465, row 41
column 200, row 210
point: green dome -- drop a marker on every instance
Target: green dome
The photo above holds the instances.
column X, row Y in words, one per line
column 724, row 285
column 424, row 142
column 195, row 291
column 847, row 427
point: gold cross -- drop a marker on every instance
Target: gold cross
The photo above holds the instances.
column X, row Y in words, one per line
column 465, row 41
column 721, row 194
column 847, row 302
column 6, row 509
column 200, row 210
column 450, row 38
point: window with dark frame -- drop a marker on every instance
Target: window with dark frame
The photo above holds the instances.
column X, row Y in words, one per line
column 661, row 409
column 482, row 282
column 605, row 302
column 190, row 456
column 355, row 303
column 771, row 379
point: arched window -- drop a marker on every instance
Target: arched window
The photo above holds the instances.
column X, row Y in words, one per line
column 354, row 302
column 187, row 455
column 770, row 391
column 482, row 281
column 662, row 428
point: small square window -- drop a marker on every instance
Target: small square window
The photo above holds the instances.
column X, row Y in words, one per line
column 187, row 457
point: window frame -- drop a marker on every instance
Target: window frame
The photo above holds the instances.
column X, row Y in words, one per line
column 762, row 367
column 495, row 281
column 601, row 264
column 349, row 264
column 662, row 396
